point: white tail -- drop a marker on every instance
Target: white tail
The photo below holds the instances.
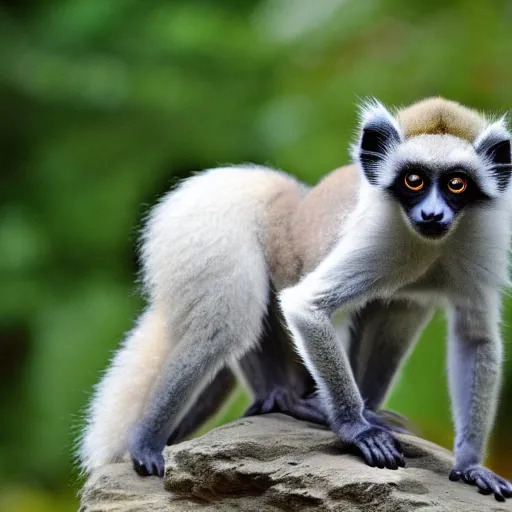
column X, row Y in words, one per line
column 119, row 398
column 204, row 271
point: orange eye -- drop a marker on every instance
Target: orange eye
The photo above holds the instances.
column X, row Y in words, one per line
column 414, row 182
column 457, row 185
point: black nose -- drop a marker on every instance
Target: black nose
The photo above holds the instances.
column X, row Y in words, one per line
column 431, row 216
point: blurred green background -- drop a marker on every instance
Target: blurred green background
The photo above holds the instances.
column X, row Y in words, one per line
column 106, row 103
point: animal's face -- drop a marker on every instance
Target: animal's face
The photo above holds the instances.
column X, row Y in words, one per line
column 433, row 176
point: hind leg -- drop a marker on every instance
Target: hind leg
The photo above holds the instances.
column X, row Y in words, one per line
column 277, row 377
column 186, row 371
column 382, row 335
column 209, row 339
column 205, row 406
column 280, row 384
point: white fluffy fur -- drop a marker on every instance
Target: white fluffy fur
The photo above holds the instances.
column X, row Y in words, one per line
column 372, row 110
column 497, row 129
column 119, row 398
column 203, row 255
column 494, row 131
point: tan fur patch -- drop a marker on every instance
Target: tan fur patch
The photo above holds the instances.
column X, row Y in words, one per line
column 317, row 221
column 437, row 116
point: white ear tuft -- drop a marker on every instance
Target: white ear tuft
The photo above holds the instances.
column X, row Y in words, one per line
column 494, row 147
column 497, row 130
column 372, row 109
column 380, row 132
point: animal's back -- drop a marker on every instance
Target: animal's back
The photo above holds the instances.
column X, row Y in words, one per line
column 216, row 218
column 320, row 217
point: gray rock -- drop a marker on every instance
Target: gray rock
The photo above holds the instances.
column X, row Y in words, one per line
column 275, row 463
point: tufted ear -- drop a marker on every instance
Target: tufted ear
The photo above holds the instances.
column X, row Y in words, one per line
column 494, row 147
column 380, row 132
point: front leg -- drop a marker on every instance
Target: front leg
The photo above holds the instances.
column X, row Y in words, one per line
column 475, row 356
column 307, row 308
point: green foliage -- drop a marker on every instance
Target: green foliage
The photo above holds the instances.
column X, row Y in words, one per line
column 105, row 104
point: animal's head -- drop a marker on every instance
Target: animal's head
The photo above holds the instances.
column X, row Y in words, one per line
column 436, row 158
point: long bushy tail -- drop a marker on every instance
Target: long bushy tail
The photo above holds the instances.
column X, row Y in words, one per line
column 206, row 277
column 120, row 397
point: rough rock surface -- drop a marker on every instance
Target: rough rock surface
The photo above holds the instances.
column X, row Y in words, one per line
column 276, row 463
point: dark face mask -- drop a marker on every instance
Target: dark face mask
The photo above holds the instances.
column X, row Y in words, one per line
column 432, row 201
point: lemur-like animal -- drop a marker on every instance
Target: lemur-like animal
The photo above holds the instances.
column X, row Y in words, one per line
column 421, row 218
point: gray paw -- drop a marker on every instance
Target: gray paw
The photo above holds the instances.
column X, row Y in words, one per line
column 486, row 481
column 147, row 462
column 146, row 453
column 379, row 448
column 287, row 402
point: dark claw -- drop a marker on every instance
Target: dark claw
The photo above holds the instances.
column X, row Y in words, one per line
column 140, row 468
column 159, row 468
column 455, row 475
column 367, row 454
column 392, row 462
column 379, row 459
column 483, row 488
